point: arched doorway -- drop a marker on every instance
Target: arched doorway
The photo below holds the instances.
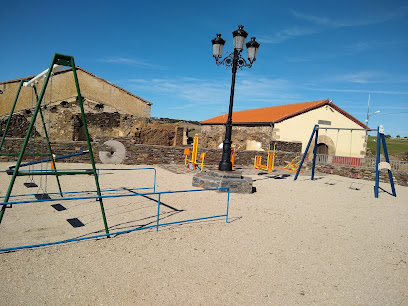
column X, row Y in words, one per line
column 79, row 130
column 322, row 150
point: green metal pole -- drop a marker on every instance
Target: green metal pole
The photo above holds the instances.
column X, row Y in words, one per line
column 11, row 113
column 48, row 143
column 30, row 128
column 89, row 144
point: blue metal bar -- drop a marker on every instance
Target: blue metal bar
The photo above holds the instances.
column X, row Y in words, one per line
column 131, row 230
column 52, row 172
column 316, row 127
column 49, row 159
column 191, row 220
column 228, row 198
column 76, row 192
column 381, row 138
column 158, row 214
column 103, row 235
column 100, row 169
column 377, row 172
column 73, row 240
column 111, row 196
column 387, row 159
column 154, row 180
column 88, row 169
column 314, row 155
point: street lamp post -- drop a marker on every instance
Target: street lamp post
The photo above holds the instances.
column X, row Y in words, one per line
column 368, row 117
column 368, row 112
column 235, row 61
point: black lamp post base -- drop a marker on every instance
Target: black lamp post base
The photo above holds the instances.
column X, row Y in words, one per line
column 225, row 165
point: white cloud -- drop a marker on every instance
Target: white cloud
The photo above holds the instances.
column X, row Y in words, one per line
column 323, row 21
column 367, row 19
column 372, row 45
column 286, row 34
column 362, row 77
column 317, row 24
column 190, row 89
column 348, row 50
column 250, row 92
column 259, row 89
column 127, row 61
column 368, row 91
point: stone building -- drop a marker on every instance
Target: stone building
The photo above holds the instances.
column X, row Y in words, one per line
column 61, row 90
column 295, row 122
column 110, row 110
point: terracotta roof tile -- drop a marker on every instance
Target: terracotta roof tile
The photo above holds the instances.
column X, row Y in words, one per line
column 276, row 114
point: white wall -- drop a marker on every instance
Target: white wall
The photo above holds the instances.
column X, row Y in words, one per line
column 341, row 143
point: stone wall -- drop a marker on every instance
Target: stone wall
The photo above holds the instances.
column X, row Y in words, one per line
column 399, row 177
column 65, row 124
column 212, row 135
column 164, row 134
column 18, row 126
column 220, row 129
column 137, row 154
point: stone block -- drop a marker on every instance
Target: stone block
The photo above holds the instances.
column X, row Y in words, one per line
column 224, row 179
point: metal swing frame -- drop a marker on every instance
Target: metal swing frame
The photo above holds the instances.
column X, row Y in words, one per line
column 380, row 139
column 58, row 60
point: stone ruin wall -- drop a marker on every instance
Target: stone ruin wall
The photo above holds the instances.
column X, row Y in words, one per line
column 142, row 154
column 64, row 123
column 149, row 142
column 212, row 135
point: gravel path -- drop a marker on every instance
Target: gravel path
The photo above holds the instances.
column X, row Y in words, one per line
column 292, row 242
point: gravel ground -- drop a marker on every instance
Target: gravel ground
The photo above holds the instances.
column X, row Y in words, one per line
column 291, row 242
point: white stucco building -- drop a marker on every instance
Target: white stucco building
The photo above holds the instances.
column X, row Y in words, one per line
column 295, row 122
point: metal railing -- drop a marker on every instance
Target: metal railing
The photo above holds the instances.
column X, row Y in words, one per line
column 155, row 225
column 359, row 162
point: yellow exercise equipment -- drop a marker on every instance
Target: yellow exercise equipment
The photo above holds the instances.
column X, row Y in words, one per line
column 292, row 165
column 192, row 163
column 53, row 162
column 270, row 162
column 233, row 149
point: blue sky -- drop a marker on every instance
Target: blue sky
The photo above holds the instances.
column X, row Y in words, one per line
column 161, row 51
